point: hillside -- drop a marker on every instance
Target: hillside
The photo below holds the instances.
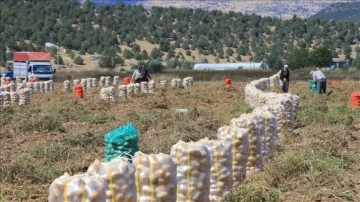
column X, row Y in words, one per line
column 340, row 12
column 283, row 9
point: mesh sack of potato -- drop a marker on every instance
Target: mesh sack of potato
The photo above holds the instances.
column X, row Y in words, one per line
column 151, row 86
column 89, row 83
column 295, row 100
column 6, row 98
column 287, row 102
column 238, row 137
column 121, row 142
column 186, row 82
column 270, row 137
column 220, row 171
column 122, row 92
column 193, row 171
column 116, row 80
column 24, row 96
column 137, row 88
column 155, row 177
column 102, row 81
column 281, row 105
column 112, row 93
column 108, row 81
column 94, row 82
column 119, row 178
column 5, row 88
column 14, row 97
column 1, row 99
column 83, row 82
column 46, row 86
column 163, row 84
column 66, row 86
column 175, row 83
column 104, row 94
column 20, row 86
column 275, row 80
column 144, row 86
column 279, row 111
column 36, row 86
column 130, row 90
column 12, row 86
column 250, row 123
column 80, row 187
column 52, row 85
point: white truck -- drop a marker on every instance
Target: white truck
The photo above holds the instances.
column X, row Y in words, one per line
column 32, row 64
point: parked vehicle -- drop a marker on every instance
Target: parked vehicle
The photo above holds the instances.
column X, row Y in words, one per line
column 32, row 64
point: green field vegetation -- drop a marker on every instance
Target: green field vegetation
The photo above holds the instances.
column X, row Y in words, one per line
column 319, row 160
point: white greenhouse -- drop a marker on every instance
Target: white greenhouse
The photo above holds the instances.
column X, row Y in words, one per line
column 231, row 66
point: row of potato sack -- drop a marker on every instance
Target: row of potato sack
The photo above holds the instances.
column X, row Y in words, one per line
column 106, row 81
column 39, row 86
column 196, row 171
column 126, row 91
column 20, row 97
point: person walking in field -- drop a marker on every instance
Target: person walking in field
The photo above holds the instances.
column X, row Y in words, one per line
column 284, row 79
column 320, row 81
column 141, row 74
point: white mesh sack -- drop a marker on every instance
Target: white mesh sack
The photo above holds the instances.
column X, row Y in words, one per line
column 116, row 80
column 81, row 187
column 52, row 85
column 122, row 92
column 144, row 86
column 36, row 86
column 1, row 99
column 104, row 95
column 112, row 93
column 137, row 88
column 14, row 97
column 238, row 137
column 279, row 105
column 20, row 86
column 130, row 90
column 270, row 137
column 46, row 86
column 94, row 82
column 89, row 83
column 221, row 165
column 163, row 84
column 6, row 98
column 175, row 83
column 66, row 86
column 119, row 178
column 193, row 171
column 186, row 82
column 155, row 177
column 108, row 81
column 151, row 86
column 12, row 86
column 102, row 81
column 83, row 82
column 251, row 123
column 24, row 96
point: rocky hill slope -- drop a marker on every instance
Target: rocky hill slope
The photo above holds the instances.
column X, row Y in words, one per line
column 283, row 9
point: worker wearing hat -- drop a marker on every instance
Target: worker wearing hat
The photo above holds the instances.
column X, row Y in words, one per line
column 285, row 79
column 320, row 80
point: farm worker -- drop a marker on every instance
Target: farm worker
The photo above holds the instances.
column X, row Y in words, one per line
column 320, row 80
column 285, row 79
column 140, row 74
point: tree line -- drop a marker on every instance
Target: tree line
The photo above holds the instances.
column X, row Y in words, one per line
column 28, row 25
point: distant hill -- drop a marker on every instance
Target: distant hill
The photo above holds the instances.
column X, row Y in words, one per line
column 283, row 9
column 349, row 11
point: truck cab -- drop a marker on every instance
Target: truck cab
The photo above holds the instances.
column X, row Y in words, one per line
column 40, row 70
